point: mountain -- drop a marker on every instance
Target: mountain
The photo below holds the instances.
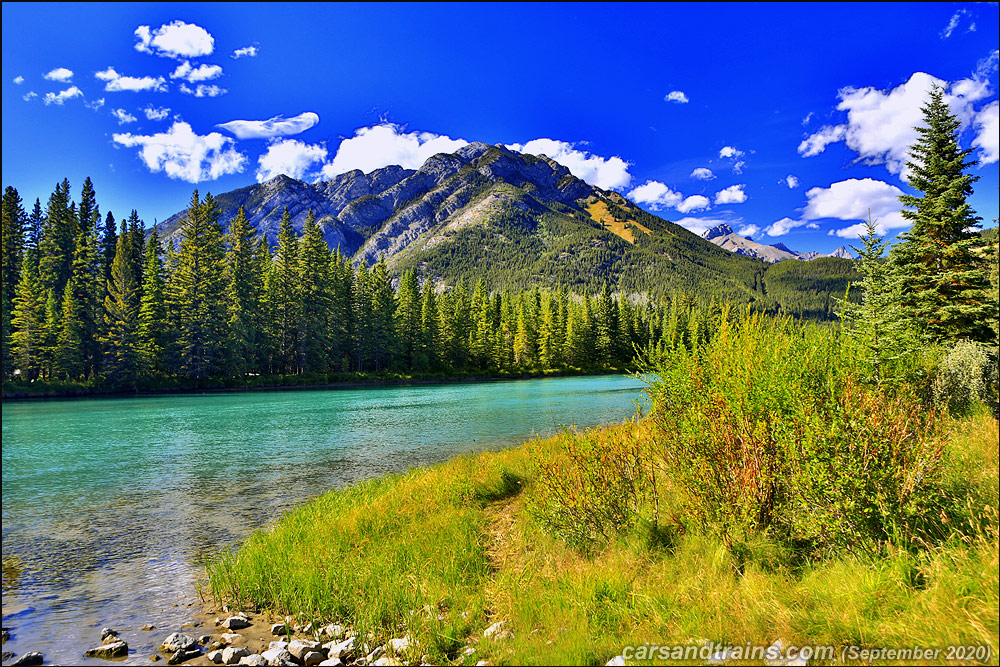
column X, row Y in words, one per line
column 724, row 237
column 485, row 211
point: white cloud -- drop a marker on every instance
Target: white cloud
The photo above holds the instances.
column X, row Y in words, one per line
column 379, row 146
column 123, row 116
column 656, row 195
column 748, row 230
column 812, row 225
column 853, row 199
column 607, row 173
column 175, row 40
column 30, row 95
column 734, row 194
column 61, row 97
column 676, row 96
column 116, row 83
column 987, row 125
column 203, row 90
column 18, row 80
column 60, row 74
column 730, row 151
column 196, row 74
column 184, row 155
column 783, row 226
column 791, row 181
column 988, row 65
column 272, row 127
column 956, row 18
column 693, row 203
column 703, row 174
column 95, row 104
column 805, row 121
column 738, row 167
column 290, row 157
column 246, row 52
column 881, row 125
column 154, row 113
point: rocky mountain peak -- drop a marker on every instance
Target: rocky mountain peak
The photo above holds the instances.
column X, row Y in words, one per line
column 717, row 231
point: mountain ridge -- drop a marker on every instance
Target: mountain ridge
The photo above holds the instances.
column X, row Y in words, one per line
column 723, row 236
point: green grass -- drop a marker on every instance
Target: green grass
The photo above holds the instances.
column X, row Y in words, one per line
column 443, row 552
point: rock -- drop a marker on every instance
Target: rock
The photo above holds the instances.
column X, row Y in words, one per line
column 156, row 657
column 178, row 642
column 341, row 650
column 30, row 658
column 312, row 658
column 148, row 627
column 386, row 660
column 332, row 662
column 5, row 634
column 498, row 631
column 481, row 663
column 617, row 661
column 254, row 660
column 278, row 657
column 400, row 645
column 204, row 639
column 307, row 629
column 232, row 655
column 230, row 637
column 332, row 631
column 469, row 650
column 376, row 653
column 279, row 644
column 113, row 649
column 216, row 657
column 215, row 646
column 279, row 629
column 190, row 625
column 299, row 647
column 235, row 623
column 184, row 655
column 107, row 633
column 7, row 655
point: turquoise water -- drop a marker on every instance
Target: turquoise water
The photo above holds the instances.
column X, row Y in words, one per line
column 111, row 505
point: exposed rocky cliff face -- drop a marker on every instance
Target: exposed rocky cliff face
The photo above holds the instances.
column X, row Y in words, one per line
column 724, row 237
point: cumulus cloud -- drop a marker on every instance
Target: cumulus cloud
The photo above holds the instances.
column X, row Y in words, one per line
column 115, row 82
column 246, row 52
column 277, row 126
column 203, row 90
column 61, row 97
column 791, row 181
column 95, row 104
column 175, row 40
column 195, row 74
column 181, row 154
column 734, row 194
column 880, row 125
column 60, row 74
column 851, row 199
column 123, row 116
column 748, row 230
column 701, row 225
column 156, row 113
column 676, row 96
column 702, row 174
column 30, row 95
column 607, row 173
column 693, row 203
column 18, row 80
column 290, row 157
column 730, row 152
column 656, row 195
column 379, row 146
column 987, row 126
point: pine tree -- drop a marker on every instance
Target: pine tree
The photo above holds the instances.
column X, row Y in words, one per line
column 383, row 309
column 946, row 281
column 109, row 242
column 56, row 245
column 314, row 294
column 33, row 230
column 430, row 342
column 121, row 318
column 152, row 330
column 137, row 245
column 12, row 258
column 361, row 302
column 245, row 284
column 408, row 323
column 28, row 320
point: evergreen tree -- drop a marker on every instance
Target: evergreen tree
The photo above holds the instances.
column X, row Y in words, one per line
column 33, row 230
column 314, row 295
column 364, row 348
column 245, row 284
column 109, row 243
column 56, row 244
column 284, row 297
column 152, row 330
column 79, row 351
column 121, row 317
column 200, row 285
column 12, row 258
column 137, row 245
column 430, row 343
column 28, row 320
column 383, row 309
column 408, row 323
column 945, row 281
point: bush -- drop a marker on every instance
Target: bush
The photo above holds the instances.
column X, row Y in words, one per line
column 966, row 375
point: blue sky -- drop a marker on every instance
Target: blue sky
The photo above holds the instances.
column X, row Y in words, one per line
column 788, row 121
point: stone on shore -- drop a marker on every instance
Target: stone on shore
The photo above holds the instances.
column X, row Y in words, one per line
column 312, row 658
column 235, row 623
column 332, row 662
column 215, row 656
column 278, row 657
column 253, row 660
column 112, row 649
column 279, row 629
column 332, row 631
column 341, row 650
column 184, row 655
column 299, row 647
column 232, row 654
column 108, row 635
column 617, row 661
column 401, row 644
column 30, row 658
column 178, row 642
column 230, row 637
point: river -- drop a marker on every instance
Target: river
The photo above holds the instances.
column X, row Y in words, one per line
column 110, row 505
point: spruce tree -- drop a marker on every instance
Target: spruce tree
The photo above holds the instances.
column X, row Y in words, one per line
column 245, row 285
column 152, row 330
column 56, row 245
column 28, row 320
column 945, row 281
column 109, row 242
column 12, row 258
column 314, row 294
column 284, row 297
column 383, row 309
column 121, row 317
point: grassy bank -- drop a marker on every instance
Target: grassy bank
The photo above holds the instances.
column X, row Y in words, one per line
column 772, row 492
column 443, row 552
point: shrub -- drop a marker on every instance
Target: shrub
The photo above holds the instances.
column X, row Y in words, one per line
column 966, row 375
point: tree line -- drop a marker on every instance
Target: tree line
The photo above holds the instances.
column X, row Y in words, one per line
column 88, row 300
